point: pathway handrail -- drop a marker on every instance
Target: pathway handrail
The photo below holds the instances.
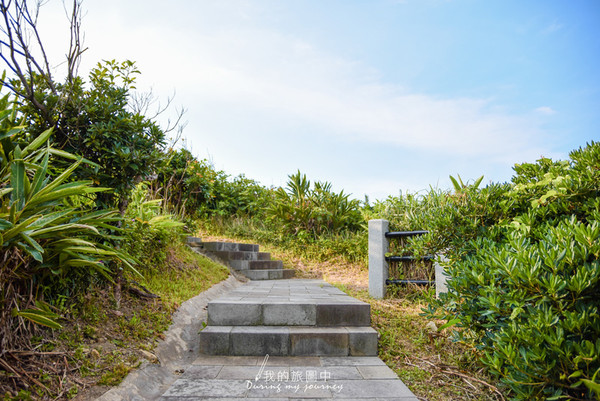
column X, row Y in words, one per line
column 379, row 235
column 400, row 234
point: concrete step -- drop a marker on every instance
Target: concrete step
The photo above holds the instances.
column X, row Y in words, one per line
column 269, row 274
column 229, row 246
column 194, row 241
column 245, row 258
column 255, row 264
column 288, row 341
column 288, row 312
column 242, row 255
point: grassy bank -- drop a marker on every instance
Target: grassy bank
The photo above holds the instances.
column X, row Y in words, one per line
column 106, row 334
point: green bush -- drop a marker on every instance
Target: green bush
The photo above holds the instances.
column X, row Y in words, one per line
column 50, row 246
column 307, row 212
column 532, row 305
column 195, row 188
column 313, row 221
column 148, row 231
column 525, row 282
column 98, row 122
column 452, row 219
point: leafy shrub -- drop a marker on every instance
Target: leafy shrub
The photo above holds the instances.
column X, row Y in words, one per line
column 313, row 222
column 195, row 188
column 452, row 219
column 47, row 246
column 532, row 305
column 526, row 284
column 310, row 212
column 148, row 230
column 98, row 123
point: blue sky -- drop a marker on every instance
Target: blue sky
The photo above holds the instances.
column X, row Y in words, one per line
column 374, row 96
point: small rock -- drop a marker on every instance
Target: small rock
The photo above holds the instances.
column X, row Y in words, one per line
column 149, row 356
column 431, row 327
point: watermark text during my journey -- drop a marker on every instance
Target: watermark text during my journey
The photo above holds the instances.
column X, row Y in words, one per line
column 295, row 380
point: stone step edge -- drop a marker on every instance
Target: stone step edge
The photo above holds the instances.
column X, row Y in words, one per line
column 252, row 274
column 192, row 241
column 242, row 255
column 287, row 313
column 198, row 243
column 277, row 273
column 268, row 274
column 255, row 264
column 288, row 341
column 228, row 246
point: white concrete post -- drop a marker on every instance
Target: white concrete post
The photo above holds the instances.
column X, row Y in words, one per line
column 440, row 275
column 378, row 266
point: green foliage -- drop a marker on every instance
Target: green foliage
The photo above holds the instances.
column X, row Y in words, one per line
column 452, row 219
column 99, row 124
column 535, row 311
column 313, row 222
column 148, row 231
column 525, row 280
column 460, row 186
column 306, row 212
column 196, row 188
column 41, row 315
column 48, row 246
column 147, row 212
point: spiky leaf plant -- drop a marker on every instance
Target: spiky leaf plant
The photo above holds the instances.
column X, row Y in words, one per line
column 49, row 244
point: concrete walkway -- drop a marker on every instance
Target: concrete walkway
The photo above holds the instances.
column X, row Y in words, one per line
column 288, row 378
column 288, row 318
column 301, row 305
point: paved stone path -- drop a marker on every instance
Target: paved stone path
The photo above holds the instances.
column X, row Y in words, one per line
column 303, row 305
column 228, row 378
column 288, row 318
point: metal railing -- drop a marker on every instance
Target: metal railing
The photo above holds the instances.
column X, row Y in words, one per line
column 379, row 236
column 407, row 259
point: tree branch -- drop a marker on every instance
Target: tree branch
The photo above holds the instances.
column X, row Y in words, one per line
column 17, row 34
column 75, row 50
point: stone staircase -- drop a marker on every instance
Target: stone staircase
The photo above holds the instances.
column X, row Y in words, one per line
column 288, row 318
column 243, row 258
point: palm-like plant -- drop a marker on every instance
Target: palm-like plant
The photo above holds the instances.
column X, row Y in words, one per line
column 313, row 211
column 42, row 238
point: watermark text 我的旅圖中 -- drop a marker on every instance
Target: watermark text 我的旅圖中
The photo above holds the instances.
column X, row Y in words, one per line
column 294, row 380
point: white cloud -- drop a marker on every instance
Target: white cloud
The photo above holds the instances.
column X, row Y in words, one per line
column 546, row 110
column 284, row 75
column 246, row 64
column 221, row 55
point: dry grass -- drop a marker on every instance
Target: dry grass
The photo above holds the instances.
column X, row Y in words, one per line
column 333, row 271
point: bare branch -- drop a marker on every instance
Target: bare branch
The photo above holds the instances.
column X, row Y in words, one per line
column 17, row 27
column 44, row 71
column 13, row 64
column 75, row 49
column 141, row 103
column 23, row 52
